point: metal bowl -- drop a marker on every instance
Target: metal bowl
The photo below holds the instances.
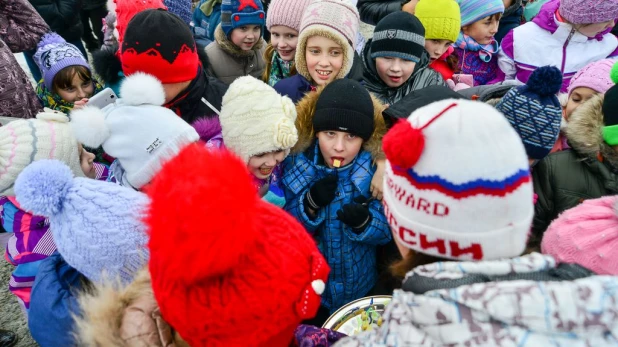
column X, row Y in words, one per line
column 347, row 319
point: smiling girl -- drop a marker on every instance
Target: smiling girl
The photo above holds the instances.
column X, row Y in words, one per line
column 325, row 49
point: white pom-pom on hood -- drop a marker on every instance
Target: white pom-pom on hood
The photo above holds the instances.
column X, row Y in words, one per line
column 142, row 89
column 89, row 126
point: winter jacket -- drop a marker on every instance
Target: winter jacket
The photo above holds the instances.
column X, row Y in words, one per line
column 372, row 11
column 93, row 4
column 484, row 72
column 423, row 76
column 54, row 302
column 62, row 16
column 228, row 61
column 350, row 255
column 571, row 310
column 135, row 315
column 21, row 29
column 510, row 20
column 546, row 41
column 206, row 18
column 587, row 171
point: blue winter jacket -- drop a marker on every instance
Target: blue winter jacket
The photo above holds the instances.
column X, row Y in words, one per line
column 351, row 256
column 204, row 26
column 53, row 301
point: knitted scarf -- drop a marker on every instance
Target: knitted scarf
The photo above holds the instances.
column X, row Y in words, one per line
column 54, row 101
column 279, row 70
column 485, row 51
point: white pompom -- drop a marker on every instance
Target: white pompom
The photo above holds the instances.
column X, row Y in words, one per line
column 318, row 286
column 142, row 89
column 89, row 126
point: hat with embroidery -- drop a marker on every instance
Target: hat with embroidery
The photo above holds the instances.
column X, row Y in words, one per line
column 54, row 54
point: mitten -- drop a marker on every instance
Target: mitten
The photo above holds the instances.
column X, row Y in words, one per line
column 322, row 192
column 355, row 215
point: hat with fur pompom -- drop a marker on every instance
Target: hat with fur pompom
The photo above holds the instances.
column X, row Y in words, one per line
column 136, row 129
column 96, row 225
column 255, row 119
column 215, row 281
column 23, row 141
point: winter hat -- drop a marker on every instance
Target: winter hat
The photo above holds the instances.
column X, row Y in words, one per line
column 588, row 11
column 160, row 44
column 23, row 141
column 236, row 13
column 457, row 182
column 344, row 105
column 96, row 225
column 127, row 9
column 136, row 130
column 215, row 288
column 441, row 19
column 475, row 10
column 337, row 20
column 53, row 54
column 595, row 76
column 255, row 119
column 286, row 12
column 610, row 116
column 399, row 35
column 586, row 235
column 181, row 8
column 535, row 112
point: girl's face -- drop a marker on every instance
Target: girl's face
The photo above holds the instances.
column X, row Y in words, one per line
column 437, row 48
column 394, row 72
column 262, row 166
column 577, row 97
column 483, row 31
column 324, row 59
column 284, row 40
column 338, row 145
column 592, row 30
column 86, row 159
column 246, row 36
column 78, row 90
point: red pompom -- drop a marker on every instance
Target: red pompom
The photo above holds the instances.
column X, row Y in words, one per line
column 403, row 145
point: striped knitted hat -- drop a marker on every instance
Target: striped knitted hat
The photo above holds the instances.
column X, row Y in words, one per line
column 475, row 10
column 457, row 182
column 399, row 35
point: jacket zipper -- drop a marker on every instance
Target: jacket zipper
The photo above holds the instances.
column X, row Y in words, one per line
column 564, row 47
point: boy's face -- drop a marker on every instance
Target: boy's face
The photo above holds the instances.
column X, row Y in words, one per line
column 436, row 48
column 86, row 160
column 262, row 166
column 284, row 40
column 338, row 145
column 78, row 90
column 246, row 36
column 577, row 97
column 324, row 59
column 484, row 30
column 394, row 71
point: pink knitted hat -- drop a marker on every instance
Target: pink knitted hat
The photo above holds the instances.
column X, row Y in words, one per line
column 595, row 76
column 586, row 235
column 588, row 11
column 286, row 12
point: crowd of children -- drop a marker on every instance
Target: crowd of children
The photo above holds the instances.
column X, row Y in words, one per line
column 233, row 172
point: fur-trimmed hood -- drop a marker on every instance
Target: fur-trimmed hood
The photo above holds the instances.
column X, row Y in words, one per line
column 584, row 131
column 305, row 110
column 230, row 48
column 123, row 316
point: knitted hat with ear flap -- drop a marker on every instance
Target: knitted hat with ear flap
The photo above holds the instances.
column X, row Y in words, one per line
column 457, row 182
column 217, row 282
column 255, row 119
column 337, row 20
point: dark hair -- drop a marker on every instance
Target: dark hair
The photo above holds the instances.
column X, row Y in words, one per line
column 64, row 77
column 413, row 259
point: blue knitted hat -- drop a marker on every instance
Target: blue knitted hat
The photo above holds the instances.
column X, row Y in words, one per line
column 97, row 226
column 236, row 13
column 475, row 10
column 54, row 54
column 535, row 112
column 181, row 8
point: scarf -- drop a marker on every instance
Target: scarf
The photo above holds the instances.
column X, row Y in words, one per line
column 485, row 51
column 279, row 70
column 55, row 102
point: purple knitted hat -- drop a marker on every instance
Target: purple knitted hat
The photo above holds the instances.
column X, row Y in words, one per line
column 286, row 12
column 595, row 76
column 589, row 11
column 54, row 54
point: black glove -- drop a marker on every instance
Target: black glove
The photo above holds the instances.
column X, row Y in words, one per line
column 355, row 215
column 322, row 192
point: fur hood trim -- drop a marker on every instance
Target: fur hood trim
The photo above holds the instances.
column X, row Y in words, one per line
column 233, row 50
column 300, row 58
column 584, row 131
column 305, row 109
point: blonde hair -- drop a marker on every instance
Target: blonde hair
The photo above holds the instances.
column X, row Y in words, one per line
column 268, row 60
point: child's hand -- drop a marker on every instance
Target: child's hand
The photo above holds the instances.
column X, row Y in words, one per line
column 80, row 103
column 322, row 192
column 377, row 182
column 355, row 215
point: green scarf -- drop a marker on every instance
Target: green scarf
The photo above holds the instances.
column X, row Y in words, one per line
column 279, row 70
column 54, row 101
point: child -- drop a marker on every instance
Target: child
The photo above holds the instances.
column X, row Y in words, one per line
column 327, row 190
column 325, row 49
column 258, row 125
column 283, row 22
column 476, row 48
column 238, row 48
column 67, row 80
column 395, row 61
column 567, row 33
column 442, row 22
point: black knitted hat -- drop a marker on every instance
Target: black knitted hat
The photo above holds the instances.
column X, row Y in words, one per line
column 399, row 35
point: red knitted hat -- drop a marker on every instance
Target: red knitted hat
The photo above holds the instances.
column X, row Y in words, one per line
column 160, row 44
column 228, row 269
column 126, row 9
